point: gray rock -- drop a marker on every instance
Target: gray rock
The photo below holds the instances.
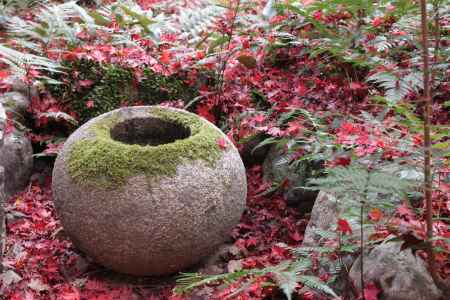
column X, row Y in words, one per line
column 151, row 225
column 323, row 218
column 2, row 213
column 18, row 85
column 16, row 104
column 2, row 124
column 249, row 154
column 16, row 156
column 399, row 274
column 277, row 167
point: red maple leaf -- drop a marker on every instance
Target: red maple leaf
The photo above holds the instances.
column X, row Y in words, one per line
column 205, row 112
column 3, row 74
column 371, row 291
column 85, row 83
column 375, row 214
column 222, row 143
column 165, row 57
column 344, row 226
column 90, row 104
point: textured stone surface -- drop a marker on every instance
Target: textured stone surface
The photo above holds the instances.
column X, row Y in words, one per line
column 151, row 227
column 2, row 124
column 323, row 217
column 249, row 154
column 17, row 85
column 399, row 274
column 277, row 167
column 2, row 212
column 16, row 156
column 16, row 104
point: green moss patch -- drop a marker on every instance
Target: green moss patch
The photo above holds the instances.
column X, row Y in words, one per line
column 102, row 161
column 112, row 86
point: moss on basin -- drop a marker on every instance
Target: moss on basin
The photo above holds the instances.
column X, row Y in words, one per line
column 102, row 161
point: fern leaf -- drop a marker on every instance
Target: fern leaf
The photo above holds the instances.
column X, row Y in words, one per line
column 315, row 284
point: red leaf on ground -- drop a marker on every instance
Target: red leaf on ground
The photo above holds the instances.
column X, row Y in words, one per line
column 165, row 57
column 90, row 104
column 375, row 214
column 344, row 227
column 371, row 291
column 85, row 83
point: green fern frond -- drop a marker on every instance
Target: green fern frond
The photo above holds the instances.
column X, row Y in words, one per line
column 315, row 284
column 189, row 281
column 20, row 62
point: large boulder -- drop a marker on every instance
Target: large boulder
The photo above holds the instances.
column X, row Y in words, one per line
column 16, row 156
column 149, row 190
column 400, row 275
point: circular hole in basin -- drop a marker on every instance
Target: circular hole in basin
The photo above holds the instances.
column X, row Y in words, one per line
column 148, row 131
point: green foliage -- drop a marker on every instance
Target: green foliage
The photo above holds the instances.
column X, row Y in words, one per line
column 111, row 86
column 358, row 181
column 285, row 275
column 107, row 163
column 112, row 90
column 156, row 88
column 21, row 63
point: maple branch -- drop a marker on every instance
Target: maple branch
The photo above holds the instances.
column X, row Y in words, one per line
column 428, row 181
column 223, row 64
column 427, row 138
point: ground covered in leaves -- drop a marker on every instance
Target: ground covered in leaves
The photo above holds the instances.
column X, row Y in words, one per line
column 341, row 87
column 47, row 266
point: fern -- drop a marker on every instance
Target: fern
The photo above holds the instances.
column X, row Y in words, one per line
column 287, row 281
column 21, row 63
column 315, row 284
column 286, row 275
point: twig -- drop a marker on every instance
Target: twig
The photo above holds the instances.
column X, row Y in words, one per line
column 223, row 63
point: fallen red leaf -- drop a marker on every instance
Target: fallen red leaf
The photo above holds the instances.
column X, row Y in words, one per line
column 344, row 226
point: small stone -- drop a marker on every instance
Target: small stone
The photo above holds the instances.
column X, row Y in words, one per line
column 249, row 154
column 234, row 265
column 18, row 85
column 16, row 156
column 2, row 213
column 16, row 104
column 277, row 167
column 323, row 218
column 399, row 274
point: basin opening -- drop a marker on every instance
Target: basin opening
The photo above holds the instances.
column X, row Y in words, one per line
column 148, row 132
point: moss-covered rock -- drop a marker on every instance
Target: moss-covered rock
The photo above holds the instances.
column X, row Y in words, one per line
column 104, row 161
column 148, row 202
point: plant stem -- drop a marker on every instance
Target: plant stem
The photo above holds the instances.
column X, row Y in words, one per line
column 427, row 137
column 223, row 64
column 362, row 249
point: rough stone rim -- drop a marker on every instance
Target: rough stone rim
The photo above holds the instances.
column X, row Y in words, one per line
column 97, row 156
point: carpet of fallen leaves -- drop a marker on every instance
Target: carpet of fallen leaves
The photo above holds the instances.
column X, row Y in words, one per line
column 42, row 263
